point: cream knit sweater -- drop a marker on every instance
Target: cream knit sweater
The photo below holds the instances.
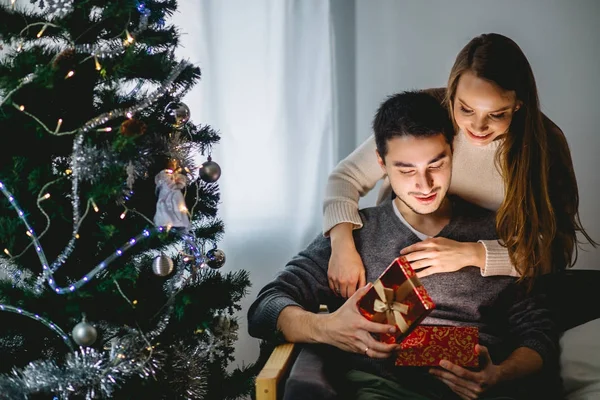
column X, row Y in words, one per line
column 475, row 178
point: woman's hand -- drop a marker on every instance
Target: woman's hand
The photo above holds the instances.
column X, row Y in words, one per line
column 435, row 255
column 346, row 271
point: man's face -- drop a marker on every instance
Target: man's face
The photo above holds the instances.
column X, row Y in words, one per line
column 419, row 170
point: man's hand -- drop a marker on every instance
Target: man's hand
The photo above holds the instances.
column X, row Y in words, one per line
column 346, row 271
column 348, row 330
column 465, row 383
column 435, row 255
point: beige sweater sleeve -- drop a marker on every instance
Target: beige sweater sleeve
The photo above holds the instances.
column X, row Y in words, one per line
column 497, row 260
column 351, row 179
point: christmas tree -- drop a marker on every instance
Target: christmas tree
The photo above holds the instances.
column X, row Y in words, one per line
column 109, row 282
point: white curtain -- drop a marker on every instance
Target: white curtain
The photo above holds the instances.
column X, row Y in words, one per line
column 267, row 87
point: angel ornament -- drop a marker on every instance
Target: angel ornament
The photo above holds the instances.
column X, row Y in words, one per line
column 171, row 210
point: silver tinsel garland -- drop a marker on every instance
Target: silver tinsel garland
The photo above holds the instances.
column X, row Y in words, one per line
column 95, row 162
column 86, row 372
column 97, row 374
column 189, row 371
column 17, row 276
column 55, row 8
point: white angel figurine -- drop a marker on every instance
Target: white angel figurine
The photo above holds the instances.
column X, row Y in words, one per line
column 171, row 210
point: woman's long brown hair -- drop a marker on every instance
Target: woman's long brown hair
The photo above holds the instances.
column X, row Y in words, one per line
column 538, row 220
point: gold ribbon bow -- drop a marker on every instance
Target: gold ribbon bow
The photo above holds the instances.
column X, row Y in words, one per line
column 387, row 305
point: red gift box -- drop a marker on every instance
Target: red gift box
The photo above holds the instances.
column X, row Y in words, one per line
column 427, row 345
column 398, row 298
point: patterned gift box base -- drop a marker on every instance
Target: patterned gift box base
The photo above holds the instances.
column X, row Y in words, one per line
column 427, row 345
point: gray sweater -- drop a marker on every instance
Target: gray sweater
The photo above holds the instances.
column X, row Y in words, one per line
column 507, row 317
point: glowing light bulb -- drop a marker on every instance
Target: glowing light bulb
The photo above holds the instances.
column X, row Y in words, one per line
column 123, row 214
column 41, row 32
column 128, row 38
column 58, row 125
column 7, row 252
column 94, row 205
column 97, row 62
column 22, row 107
column 70, row 74
column 68, row 171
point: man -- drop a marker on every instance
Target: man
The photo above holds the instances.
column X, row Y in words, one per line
column 414, row 139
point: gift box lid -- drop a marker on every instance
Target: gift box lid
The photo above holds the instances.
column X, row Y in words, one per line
column 399, row 296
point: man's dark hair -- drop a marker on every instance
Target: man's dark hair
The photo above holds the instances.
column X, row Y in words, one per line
column 410, row 113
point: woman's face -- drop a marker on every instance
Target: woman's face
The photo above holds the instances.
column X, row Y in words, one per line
column 482, row 109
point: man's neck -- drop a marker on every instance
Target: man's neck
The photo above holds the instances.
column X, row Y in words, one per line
column 429, row 224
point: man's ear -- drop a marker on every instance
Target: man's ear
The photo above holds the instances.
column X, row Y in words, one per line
column 380, row 161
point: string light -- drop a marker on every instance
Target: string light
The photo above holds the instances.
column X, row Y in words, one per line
column 22, row 107
column 97, row 62
column 52, row 326
column 19, row 46
column 44, row 197
column 70, row 74
column 123, row 214
column 49, row 270
column 47, row 273
column 77, row 146
column 107, row 129
column 94, row 205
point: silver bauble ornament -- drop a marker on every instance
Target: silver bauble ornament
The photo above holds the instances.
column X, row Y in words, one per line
column 222, row 325
column 210, row 171
column 162, row 265
column 215, row 258
column 84, row 334
column 177, row 114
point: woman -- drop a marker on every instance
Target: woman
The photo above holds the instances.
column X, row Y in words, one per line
column 508, row 157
